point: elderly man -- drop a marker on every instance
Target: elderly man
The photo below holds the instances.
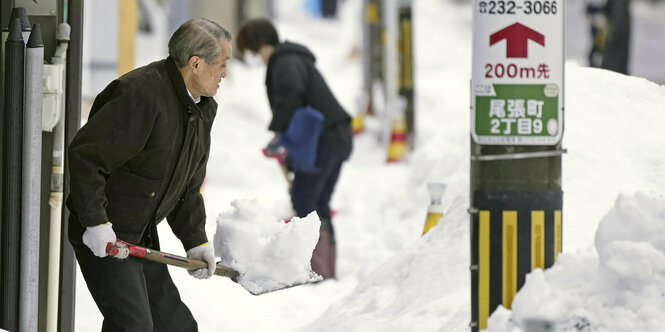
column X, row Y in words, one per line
column 140, row 158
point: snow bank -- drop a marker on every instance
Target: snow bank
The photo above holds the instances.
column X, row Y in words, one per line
column 422, row 288
column 267, row 253
column 613, row 133
column 622, row 288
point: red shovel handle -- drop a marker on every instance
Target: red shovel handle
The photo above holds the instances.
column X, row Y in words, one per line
column 134, row 250
column 166, row 258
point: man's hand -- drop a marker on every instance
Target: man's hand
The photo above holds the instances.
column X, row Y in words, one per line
column 97, row 237
column 204, row 253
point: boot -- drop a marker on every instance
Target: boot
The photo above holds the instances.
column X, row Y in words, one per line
column 323, row 257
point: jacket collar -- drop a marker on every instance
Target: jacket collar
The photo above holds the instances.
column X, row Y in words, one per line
column 206, row 109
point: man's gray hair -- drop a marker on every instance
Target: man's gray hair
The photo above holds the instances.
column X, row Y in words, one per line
column 197, row 36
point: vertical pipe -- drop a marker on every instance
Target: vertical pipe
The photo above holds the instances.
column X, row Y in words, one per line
column 11, row 190
column 32, row 145
column 55, row 199
column 66, row 304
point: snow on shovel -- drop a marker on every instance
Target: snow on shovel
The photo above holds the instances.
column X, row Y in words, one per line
column 267, row 252
column 122, row 249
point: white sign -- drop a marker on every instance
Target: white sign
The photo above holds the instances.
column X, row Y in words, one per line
column 518, row 65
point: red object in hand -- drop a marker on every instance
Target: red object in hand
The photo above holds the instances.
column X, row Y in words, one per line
column 279, row 154
column 111, row 249
column 134, row 250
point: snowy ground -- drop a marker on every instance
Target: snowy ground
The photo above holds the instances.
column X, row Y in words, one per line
column 391, row 278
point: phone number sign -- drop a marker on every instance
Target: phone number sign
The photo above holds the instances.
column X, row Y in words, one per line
column 518, row 62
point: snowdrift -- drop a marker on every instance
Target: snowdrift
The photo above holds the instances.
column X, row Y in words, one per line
column 620, row 289
column 614, row 146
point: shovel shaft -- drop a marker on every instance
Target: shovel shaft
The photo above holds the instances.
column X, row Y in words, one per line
column 170, row 259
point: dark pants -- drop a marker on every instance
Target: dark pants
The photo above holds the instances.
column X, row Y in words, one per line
column 132, row 294
column 312, row 192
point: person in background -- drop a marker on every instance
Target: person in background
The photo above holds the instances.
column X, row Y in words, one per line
column 597, row 16
column 617, row 44
column 140, row 158
column 610, row 34
column 293, row 83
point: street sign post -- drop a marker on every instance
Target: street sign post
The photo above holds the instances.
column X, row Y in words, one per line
column 517, row 122
column 517, row 84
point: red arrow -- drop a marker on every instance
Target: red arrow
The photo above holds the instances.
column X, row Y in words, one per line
column 517, row 37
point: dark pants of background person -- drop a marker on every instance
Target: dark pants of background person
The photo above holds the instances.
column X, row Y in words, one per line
column 132, row 294
column 312, row 192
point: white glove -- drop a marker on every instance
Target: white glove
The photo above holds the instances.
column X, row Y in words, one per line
column 204, row 253
column 97, row 237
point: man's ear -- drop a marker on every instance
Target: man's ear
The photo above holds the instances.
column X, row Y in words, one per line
column 194, row 62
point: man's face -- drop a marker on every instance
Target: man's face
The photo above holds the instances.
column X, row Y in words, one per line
column 209, row 75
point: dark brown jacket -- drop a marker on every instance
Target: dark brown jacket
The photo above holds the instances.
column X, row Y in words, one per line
column 142, row 155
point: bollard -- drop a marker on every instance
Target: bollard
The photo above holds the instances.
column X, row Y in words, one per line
column 12, row 160
column 397, row 145
column 435, row 208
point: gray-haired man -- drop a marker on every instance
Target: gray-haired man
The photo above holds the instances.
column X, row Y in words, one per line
column 140, row 158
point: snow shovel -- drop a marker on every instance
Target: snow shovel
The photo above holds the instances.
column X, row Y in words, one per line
column 175, row 260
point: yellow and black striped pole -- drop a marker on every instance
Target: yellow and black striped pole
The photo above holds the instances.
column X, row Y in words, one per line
column 405, row 77
column 514, row 233
column 372, row 51
column 516, row 131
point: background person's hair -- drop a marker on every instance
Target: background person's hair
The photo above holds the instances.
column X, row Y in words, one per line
column 197, row 36
column 255, row 33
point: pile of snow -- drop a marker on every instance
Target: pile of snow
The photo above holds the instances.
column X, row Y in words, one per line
column 621, row 289
column 268, row 253
column 423, row 288
column 613, row 133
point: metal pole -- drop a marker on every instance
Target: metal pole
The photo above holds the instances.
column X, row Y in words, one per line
column 32, row 148
column 55, row 200
column 66, row 304
column 11, row 191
